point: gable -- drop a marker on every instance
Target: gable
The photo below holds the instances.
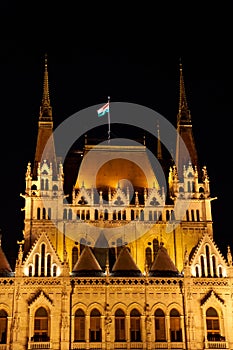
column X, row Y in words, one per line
column 207, row 260
column 42, row 260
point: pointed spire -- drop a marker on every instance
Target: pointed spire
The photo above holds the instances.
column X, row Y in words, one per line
column 46, row 109
column 229, row 256
column 184, row 128
column 184, row 112
column 45, row 143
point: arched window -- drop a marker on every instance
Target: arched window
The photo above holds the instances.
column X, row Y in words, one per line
column 43, row 214
column 48, row 265
column 70, row 214
column 30, row 271
column 65, row 214
column 106, row 214
column 192, row 215
column 95, row 326
column 42, row 263
column 202, row 266
column 46, row 184
column 96, row 214
column 42, row 184
column 41, row 325
column 148, row 257
column 187, row 215
column 120, row 325
column 37, row 265
column 49, row 213
column 212, row 325
column 160, row 331
column 155, row 247
column 207, row 249
column 3, row 327
column 135, row 332
column 214, row 266
column 38, row 213
column 74, row 256
column 79, row 325
column 175, row 326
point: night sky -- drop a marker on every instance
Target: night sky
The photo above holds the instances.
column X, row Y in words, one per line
column 130, row 53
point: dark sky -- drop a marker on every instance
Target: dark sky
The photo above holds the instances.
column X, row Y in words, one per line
column 130, row 53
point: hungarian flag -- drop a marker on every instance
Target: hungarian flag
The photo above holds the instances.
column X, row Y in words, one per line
column 103, row 110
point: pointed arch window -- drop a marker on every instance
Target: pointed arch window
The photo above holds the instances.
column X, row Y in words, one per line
column 74, row 256
column 38, row 213
column 42, row 263
column 79, row 325
column 120, row 325
column 37, row 265
column 135, row 331
column 148, row 257
column 3, row 326
column 46, row 184
column 48, row 265
column 95, row 326
column 160, row 330
column 155, row 247
column 175, row 326
column 41, row 325
column 212, row 325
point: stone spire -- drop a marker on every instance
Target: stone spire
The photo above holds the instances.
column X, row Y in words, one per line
column 185, row 147
column 45, row 142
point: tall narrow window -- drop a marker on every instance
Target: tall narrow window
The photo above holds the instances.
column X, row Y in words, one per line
column 3, row 326
column 79, row 325
column 212, row 325
column 148, row 257
column 95, row 326
column 36, row 265
column 74, row 256
column 46, row 184
column 175, row 326
column 120, row 325
column 42, row 266
column 41, row 325
column 48, row 265
column 160, row 331
column 207, row 249
column 38, row 213
column 44, row 214
column 135, row 332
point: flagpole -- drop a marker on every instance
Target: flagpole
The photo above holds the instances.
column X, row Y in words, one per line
column 109, row 119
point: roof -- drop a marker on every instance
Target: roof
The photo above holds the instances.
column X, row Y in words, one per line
column 5, row 268
column 104, row 166
column 125, row 265
column 163, row 266
column 87, row 264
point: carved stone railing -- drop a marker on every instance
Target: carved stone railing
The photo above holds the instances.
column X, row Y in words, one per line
column 40, row 345
column 216, row 345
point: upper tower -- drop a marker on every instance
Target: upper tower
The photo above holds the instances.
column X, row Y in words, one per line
column 184, row 129
column 45, row 130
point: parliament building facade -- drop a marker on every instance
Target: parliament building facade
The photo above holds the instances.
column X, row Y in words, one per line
column 120, row 263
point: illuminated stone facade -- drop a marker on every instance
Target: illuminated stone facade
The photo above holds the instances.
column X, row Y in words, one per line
column 157, row 282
